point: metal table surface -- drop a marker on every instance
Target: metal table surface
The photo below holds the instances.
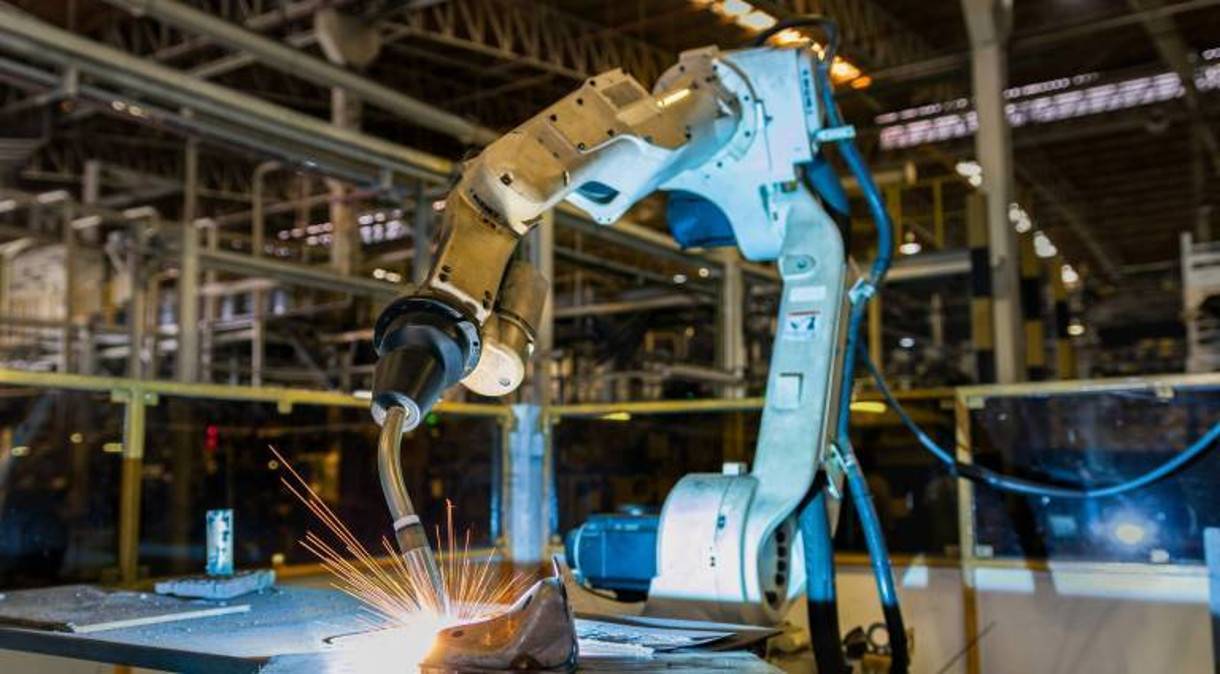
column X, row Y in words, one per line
column 286, row 631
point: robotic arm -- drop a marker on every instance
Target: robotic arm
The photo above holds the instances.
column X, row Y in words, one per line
column 729, row 134
column 602, row 148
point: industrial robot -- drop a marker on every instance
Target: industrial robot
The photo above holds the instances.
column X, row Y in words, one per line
column 735, row 138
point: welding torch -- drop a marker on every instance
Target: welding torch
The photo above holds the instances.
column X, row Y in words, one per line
column 408, row 529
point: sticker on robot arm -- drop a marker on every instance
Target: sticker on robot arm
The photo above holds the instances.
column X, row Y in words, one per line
column 806, row 294
column 800, row 325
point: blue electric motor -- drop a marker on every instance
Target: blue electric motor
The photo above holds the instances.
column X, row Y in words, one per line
column 616, row 552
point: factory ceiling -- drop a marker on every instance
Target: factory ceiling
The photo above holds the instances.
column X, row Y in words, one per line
column 1113, row 185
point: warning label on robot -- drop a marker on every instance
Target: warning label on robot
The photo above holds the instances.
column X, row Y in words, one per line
column 800, row 325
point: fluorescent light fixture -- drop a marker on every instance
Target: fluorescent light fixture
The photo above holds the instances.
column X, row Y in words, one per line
column 7, row 205
column 616, row 416
column 734, row 8
column 113, row 448
column 1068, row 275
column 869, row 407
column 52, row 197
column 1019, row 218
column 1039, row 103
column 1043, row 246
column 757, row 20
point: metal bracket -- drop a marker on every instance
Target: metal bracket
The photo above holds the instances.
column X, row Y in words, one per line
column 835, row 471
column 862, row 291
column 834, row 134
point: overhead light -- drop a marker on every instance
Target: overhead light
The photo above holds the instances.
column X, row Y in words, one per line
column 907, row 342
column 1019, row 218
column 788, row 37
column 1043, row 247
column 910, row 246
column 7, row 205
column 704, row 272
column 757, row 20
column 20, row 451
column 616, row 416
column 379, row 273
column 1069, row 275
column 52, row 197
column 734, row 8
column 869, row 407
column 679, row 278
column 968, row 167
column 113, row 448
column 1076, row 328
column 861, row 82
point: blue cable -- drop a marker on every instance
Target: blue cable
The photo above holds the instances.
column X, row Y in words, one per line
column 866, row 511
column 1018, row 485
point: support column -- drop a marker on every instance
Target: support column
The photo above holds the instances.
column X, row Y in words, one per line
column 981, row 315
column 130, row 487
column 421, row 236
column 1065, row 352
column 137, row 301
column 211, row 307
column 188, row 271
column 345, row 246
column 731, row 339
column 258, row 234
column 1031, row 310
column 540, row 247
column 67, row 354
column 527, row 528
column 989, row 23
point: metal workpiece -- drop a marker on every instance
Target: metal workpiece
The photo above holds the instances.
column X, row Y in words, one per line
column 408, row 529
column 537, row 633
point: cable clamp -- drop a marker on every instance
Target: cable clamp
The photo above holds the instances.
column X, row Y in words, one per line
column 862, row 291
column 835, row 471
column 835, row 134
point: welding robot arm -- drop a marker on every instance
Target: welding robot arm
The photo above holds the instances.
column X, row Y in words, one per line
column 602, row 148
column 733, row 136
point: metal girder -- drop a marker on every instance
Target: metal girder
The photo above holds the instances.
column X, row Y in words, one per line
column 1181, row 59
column 537, row 35
column 869, row 34
column 306, row 66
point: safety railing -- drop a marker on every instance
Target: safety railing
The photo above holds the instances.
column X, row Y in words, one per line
column 61, row 433
column 611, row 455
column 1145, row 545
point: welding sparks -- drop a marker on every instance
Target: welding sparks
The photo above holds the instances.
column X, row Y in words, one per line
column 396, row 590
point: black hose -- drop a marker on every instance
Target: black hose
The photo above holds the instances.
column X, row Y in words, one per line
column 822, row 609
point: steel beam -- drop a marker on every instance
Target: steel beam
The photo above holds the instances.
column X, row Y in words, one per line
column 187, row 359
column 989, row 23
column 300, row 64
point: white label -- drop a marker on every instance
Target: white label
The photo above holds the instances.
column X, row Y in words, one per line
column 807, row 294
column 800, row 325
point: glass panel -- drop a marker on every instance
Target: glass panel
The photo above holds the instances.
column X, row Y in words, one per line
column 223, row 449
column 613, row 464
column 915, row 496
column 1106, row 437
column 60, row 460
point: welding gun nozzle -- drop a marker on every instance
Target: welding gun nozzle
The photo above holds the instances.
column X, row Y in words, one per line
column 424, row 346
